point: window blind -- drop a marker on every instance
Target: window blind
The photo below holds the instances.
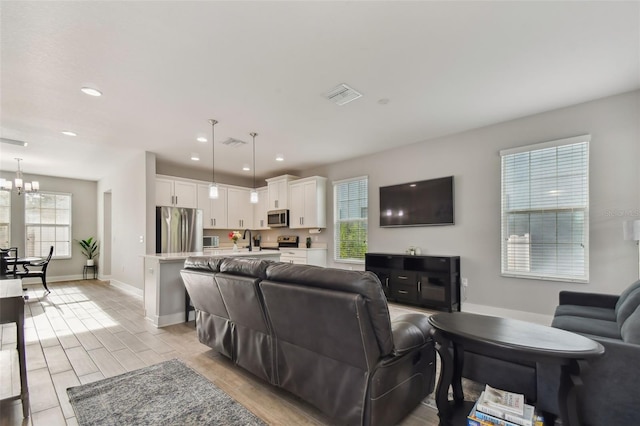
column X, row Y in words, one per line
column 545, row 201
column 48, row 223
column 351, row 210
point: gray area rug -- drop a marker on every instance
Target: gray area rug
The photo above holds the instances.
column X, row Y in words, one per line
column 169, row 393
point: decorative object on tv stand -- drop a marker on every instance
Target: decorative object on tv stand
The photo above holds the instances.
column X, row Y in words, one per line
column 19, row 184
column 234, row 236
column 253, row 196
column 213, row 186
column 91, row 249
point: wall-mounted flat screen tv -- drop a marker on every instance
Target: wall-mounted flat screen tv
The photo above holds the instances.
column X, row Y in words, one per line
column 424, row 203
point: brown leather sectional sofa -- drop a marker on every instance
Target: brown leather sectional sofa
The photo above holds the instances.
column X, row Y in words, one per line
column 322, row 334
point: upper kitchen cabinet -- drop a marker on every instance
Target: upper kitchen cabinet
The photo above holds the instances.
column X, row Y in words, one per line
column 260, row 210
column 177, row 193
column 214, row 211
column 239, row 208
column 307, row 203
column 279, row 192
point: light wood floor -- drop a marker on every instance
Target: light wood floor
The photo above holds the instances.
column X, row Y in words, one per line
column 87, row 330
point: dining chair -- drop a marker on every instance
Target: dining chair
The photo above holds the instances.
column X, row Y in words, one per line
column 42, row 273
column 8, row 261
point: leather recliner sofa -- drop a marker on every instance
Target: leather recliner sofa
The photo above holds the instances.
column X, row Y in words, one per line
column 322, row 334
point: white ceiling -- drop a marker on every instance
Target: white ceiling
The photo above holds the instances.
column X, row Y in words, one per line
column 165, row 68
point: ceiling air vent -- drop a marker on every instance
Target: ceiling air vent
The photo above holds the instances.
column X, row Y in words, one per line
column 342, row 94
column 232, row 142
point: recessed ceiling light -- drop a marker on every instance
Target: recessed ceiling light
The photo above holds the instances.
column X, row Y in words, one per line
column 195, row 156
column 201, row 139
column 69, row 133
column 91, row 91
column 246, row 168
column 383, row 101
column 279, row 157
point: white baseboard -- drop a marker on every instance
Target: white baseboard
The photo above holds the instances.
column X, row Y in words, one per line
column 165, row 320
column 29, row 281
column 138, row 292
column 507, row 313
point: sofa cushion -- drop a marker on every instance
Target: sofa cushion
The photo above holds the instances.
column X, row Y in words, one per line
column 246, row 267
column 203, row 263
column 626, row 308
column 594, row 326
column 606, row 314
column 623, row 296
column 631, row 328
column 360, row 282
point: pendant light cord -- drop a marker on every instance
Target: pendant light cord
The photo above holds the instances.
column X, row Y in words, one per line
column 213, row 151
column 254, row 134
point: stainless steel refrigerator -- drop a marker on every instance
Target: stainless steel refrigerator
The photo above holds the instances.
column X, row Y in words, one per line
column 178, row 230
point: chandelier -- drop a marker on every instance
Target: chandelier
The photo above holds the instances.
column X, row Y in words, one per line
column 253, row 195
column 213, row 186
column 18, row 184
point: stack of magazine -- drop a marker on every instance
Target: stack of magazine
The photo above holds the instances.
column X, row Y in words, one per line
column 502, row 408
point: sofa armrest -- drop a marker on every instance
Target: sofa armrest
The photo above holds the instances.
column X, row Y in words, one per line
column 588, row 299
column 610, row 383
column 410, row 331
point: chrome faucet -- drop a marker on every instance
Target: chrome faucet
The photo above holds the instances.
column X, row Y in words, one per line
column 244, row 237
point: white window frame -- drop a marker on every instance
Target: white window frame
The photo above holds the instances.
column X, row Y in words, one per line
column 27, row 225
column 6, row 244
column 337, row 221
column 521, row 244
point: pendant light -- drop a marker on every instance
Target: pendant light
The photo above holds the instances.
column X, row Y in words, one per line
column 213, row 186
column 18, row 184
column 253, row 196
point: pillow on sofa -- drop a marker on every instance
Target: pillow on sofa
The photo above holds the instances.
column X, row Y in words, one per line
column 627, row 307
column 623, row 296
column 631, row 328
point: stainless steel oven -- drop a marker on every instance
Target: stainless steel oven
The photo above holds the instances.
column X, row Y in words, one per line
column 278, row 218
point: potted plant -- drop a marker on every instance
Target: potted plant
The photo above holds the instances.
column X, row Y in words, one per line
column 90, row 248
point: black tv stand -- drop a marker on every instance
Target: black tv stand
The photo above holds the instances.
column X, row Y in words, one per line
column 429, row 281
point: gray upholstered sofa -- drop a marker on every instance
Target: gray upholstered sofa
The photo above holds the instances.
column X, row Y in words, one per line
column 322, row 334
column 609, row 395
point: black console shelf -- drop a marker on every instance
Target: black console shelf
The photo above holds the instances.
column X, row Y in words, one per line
column 429, row 281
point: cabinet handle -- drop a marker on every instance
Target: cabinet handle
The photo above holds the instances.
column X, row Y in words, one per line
column 214, row 221
column 402, row 277
column 386, row 282
column 419, row 287
column 403, row 291
column 176, row 200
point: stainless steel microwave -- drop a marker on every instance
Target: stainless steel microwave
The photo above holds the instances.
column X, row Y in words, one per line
column 210, row 241
column 278, row 218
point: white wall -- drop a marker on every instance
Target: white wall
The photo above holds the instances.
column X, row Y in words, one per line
column 83, row 220
column 472, row 157
column 129, row 219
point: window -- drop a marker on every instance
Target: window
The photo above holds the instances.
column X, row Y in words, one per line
column 48, row 223
column 5, row 219
column 351, row 209
column 545, row 218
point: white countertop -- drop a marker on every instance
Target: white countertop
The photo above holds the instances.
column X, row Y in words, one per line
column 212, row 253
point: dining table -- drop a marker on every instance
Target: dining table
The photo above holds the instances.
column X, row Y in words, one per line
column 21, row 261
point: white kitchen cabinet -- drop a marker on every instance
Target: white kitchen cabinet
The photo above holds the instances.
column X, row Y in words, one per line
column 260, row 210
column 279, row 192
column 214, row 212
column 239, row 208
column 307, row 203
column 177, row 193
column 304, row 256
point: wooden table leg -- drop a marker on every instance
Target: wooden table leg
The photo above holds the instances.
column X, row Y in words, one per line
column 24, row 387
column 570, row 382
column 445, row 349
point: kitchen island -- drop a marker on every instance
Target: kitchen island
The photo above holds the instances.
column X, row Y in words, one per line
column 164, row 292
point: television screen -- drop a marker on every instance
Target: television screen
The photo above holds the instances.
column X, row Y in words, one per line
column 428, row 202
